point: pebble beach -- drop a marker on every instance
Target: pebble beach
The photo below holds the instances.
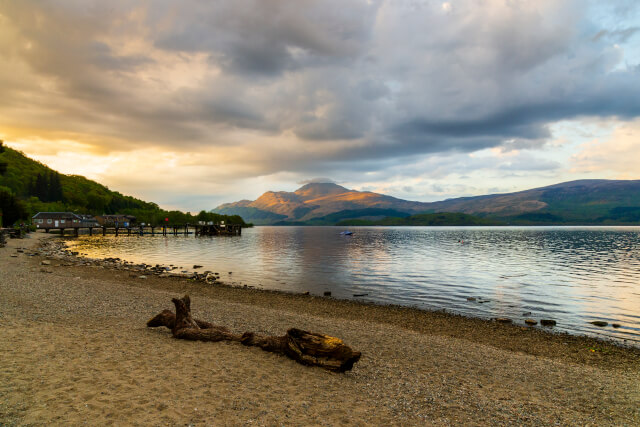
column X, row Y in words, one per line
column 75, row 350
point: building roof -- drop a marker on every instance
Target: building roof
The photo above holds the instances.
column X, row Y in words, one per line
column 56, row 215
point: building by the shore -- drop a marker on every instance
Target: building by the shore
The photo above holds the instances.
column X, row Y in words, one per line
column 116, row 220
column 48, row 220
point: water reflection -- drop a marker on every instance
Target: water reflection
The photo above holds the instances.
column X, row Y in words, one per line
column 571, row 274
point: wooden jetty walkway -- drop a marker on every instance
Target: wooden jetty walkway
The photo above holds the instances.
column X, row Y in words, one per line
column 153, row 230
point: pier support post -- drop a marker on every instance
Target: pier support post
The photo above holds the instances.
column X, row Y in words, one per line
column 104, row 230
column 75, row 231
column 90, row 231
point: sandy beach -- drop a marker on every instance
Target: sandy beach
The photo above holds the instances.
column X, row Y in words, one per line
column 75, row 350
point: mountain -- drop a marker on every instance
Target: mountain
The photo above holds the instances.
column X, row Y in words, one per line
column 28, row 187
column 317, row 200
column 574, row 202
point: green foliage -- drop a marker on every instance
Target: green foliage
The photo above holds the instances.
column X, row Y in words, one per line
column 255, row 215
column 425, row 219
column 537, row 218
column 366, row 214
column 33, row 188
column 12, row 210
column 47, row 187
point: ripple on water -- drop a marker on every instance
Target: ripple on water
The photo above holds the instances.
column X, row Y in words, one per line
column 571, row 274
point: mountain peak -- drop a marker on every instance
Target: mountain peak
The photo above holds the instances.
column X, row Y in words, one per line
column 319, row 189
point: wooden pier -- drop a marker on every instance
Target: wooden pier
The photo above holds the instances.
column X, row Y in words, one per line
column 157, row 230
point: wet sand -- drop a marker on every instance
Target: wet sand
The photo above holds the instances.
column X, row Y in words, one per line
column 74, row 349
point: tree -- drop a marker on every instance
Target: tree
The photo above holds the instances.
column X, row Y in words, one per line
column 12, row 209
column 54, row 187
column 39, row 187
column 97, row 202
column 3, row 165
column 47, row 187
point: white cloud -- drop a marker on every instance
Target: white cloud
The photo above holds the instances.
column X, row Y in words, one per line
column 614, row 156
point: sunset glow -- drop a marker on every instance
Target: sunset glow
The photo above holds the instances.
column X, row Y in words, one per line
column 193, row 104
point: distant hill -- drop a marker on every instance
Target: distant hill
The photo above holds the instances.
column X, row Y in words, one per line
column 595, row 201
column 576, row 202
column 28, row 187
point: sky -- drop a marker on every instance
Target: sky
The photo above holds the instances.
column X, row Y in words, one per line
column 194, row 103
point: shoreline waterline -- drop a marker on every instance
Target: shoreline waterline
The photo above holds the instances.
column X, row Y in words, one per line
column 573, row 275
column 214, row 279
column 166, row 273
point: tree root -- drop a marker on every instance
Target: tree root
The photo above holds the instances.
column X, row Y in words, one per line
column 307, row 348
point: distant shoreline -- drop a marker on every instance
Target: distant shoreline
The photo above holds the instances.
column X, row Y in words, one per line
column 454, row 225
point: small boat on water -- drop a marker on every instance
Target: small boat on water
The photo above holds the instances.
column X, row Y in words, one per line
column 346, row 233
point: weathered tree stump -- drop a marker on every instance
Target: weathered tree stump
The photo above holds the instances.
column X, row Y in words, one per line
column 307, row 348
column 207, row 330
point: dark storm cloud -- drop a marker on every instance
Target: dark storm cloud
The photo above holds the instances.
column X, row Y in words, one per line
column 529, row 121
column 267, row 38
column 373, row 82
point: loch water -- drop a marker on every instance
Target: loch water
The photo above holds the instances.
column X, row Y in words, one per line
column 574, row 275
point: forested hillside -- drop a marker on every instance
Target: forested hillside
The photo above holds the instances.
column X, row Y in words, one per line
column 28, row 187
column 427, row 219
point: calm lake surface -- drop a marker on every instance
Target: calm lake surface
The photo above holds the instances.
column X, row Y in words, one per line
column 573, row 275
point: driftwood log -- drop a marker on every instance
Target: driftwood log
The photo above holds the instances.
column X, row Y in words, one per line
column 304, row 347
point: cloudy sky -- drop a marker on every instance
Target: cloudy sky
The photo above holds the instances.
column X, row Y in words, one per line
column 194, row 103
